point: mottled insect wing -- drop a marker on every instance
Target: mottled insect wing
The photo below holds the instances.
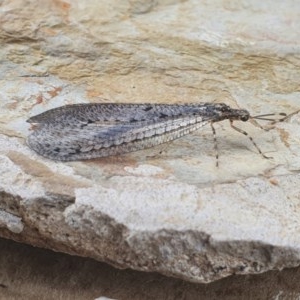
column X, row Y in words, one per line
column 88, row 131
column 116, row 112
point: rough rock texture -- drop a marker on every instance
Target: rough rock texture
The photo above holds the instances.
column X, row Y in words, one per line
column 39, row 274
column 166, row 209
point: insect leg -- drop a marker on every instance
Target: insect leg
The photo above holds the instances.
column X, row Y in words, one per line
column 249, row 137
column 215, row 143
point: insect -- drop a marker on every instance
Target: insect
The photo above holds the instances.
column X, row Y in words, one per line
column 87, row 131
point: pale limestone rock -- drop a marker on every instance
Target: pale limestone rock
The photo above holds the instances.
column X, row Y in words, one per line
column 166, row 209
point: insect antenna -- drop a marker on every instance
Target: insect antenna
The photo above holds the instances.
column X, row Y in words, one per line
column 286, row 117
column 264, row 117
column 278, row 117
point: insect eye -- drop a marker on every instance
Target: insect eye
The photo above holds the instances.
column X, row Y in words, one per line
column 244, row 118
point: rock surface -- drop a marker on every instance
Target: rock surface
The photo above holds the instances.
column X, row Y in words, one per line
column 33, row 273
column 166, row 209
